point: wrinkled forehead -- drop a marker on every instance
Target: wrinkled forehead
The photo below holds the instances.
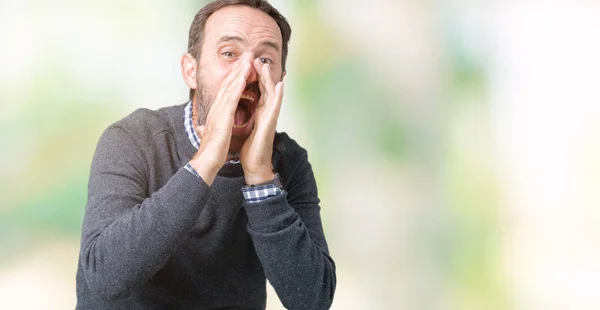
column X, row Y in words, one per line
column 243, row 21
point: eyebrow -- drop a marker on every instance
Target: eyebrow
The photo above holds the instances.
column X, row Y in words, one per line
column 271, row 44
column 230, row 38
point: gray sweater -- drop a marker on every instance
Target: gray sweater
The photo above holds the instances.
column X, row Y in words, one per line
column 155, row 236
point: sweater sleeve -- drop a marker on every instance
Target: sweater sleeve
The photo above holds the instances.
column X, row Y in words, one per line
column 127, row 236
column 290, row 243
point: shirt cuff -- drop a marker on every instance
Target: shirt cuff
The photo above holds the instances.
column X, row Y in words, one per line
column 254, row 194
column 189, row 168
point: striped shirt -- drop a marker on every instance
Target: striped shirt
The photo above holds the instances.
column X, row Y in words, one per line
column 252, row 194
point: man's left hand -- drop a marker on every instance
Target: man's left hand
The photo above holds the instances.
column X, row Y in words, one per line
column 257, row 150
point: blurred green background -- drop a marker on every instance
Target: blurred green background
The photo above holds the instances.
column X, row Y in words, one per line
column 456, row 144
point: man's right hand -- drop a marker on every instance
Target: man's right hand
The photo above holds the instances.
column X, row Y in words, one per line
column 215, row 134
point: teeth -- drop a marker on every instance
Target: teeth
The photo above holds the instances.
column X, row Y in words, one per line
column 247, row 97
column 240, row 126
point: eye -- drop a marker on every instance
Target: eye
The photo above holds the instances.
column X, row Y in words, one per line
column 227, row 54
column 266, row 60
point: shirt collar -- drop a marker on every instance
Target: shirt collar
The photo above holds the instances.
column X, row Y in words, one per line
column 189, row 125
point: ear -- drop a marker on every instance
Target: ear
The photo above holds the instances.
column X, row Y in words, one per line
column 189, row 65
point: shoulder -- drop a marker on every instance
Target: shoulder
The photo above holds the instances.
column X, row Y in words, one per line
column 289, row 157
column 138, row 130
column 295, row 171
column 145, row 123
column 288, row 147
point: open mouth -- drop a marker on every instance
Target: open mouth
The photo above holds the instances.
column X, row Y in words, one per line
column 243, row 120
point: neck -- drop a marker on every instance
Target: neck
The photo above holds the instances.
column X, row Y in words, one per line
column 194, row 111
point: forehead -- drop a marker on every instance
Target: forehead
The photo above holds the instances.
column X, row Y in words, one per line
column 246, row 22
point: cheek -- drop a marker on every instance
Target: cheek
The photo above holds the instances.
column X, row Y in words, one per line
column 277, row 75
column 212, row 77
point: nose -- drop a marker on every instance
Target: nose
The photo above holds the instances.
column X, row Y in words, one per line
column 253, row 77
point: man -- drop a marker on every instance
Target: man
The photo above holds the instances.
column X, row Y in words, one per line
column 195, row 206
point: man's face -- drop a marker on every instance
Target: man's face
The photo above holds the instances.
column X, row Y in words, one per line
column 230, row 33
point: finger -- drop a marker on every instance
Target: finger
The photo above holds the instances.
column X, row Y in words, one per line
column 240, row 68
column 267, row 125
column 257, row 65
column 225, row 102
column 232, row 88
column 275, row 108
column 264, row 75
column 232, row 95
column 233, row 72
column 261, row 86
